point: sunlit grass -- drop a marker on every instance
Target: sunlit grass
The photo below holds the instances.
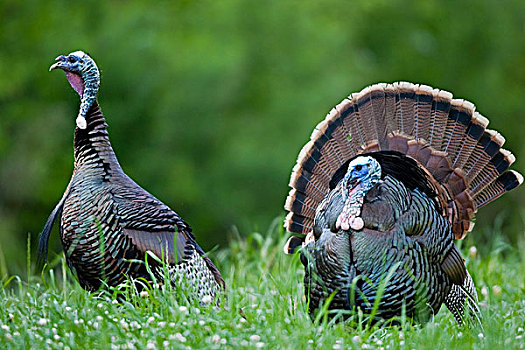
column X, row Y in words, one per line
column 52, row 311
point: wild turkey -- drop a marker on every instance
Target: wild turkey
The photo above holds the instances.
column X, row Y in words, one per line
column 387, row 181
column 107, row 222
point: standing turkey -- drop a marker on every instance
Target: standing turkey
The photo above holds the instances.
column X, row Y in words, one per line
column 386, row 183
column 107, row 222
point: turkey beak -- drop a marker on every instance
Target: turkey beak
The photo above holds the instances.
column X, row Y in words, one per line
column 60, row 63
column 353, row 180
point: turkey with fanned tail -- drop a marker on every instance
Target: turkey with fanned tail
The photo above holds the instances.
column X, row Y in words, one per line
column 386, row 183
column 108, row 223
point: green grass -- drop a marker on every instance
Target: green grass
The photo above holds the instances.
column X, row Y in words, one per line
column 52, row 312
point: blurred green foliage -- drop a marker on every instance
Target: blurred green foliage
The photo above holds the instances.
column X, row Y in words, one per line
column 209, row 102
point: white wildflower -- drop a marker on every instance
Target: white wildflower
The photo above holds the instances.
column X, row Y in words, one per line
column 143, row 294
column 42, row 322
column 165, row 343
column 68, row 308
column 242, row 320
column 56, row 337
column 183, row 309
column 99, row 305
column 484, row 291
column 99, row 318
column 206, row 299
column 255, row 338
column 472, row 252
column 216, row 338
column 11, row 316
column 481, row 336
column 259, row 345
column 8, row 336
column 115, row 301
column 244, row 343
column 5, row 327
column 356, row 339
column 180, row 337
column 201, row 323
column 150, row 320
column 337, row 346
column 496, row 290
column 161, row 324
column 151, row 346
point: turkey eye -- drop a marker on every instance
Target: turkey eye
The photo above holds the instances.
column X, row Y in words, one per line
column 72, row 59
column 358, row 167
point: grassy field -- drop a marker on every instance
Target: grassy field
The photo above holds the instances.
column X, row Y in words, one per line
column 52, row 311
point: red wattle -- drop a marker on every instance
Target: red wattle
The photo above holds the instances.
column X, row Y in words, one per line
column 76, row 82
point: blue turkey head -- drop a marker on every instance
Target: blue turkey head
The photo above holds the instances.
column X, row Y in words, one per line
column 83, row 75
column 364, row 171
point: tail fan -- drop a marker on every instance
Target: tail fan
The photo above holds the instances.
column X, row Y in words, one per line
column 447, row 137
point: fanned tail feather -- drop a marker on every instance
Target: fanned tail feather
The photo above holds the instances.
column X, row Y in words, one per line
column 446, row 136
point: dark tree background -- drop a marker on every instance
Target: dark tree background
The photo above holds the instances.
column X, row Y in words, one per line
column 209, row 102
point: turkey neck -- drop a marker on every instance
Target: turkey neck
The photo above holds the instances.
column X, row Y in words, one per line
column 92, row 146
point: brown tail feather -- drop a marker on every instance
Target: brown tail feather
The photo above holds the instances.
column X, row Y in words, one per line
column 308, row 184
column 459, row 119
column 504, row 183
column 297, row 223
column 301, row 204
column 339, row 132
column 440, row 110
column 494, row 168
column 405, row 112
column 327, row 146
column 446, row 136
column 371, row 105
column 475, row 131
column 350, row 121
column 488, row 146
column 423, row 112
